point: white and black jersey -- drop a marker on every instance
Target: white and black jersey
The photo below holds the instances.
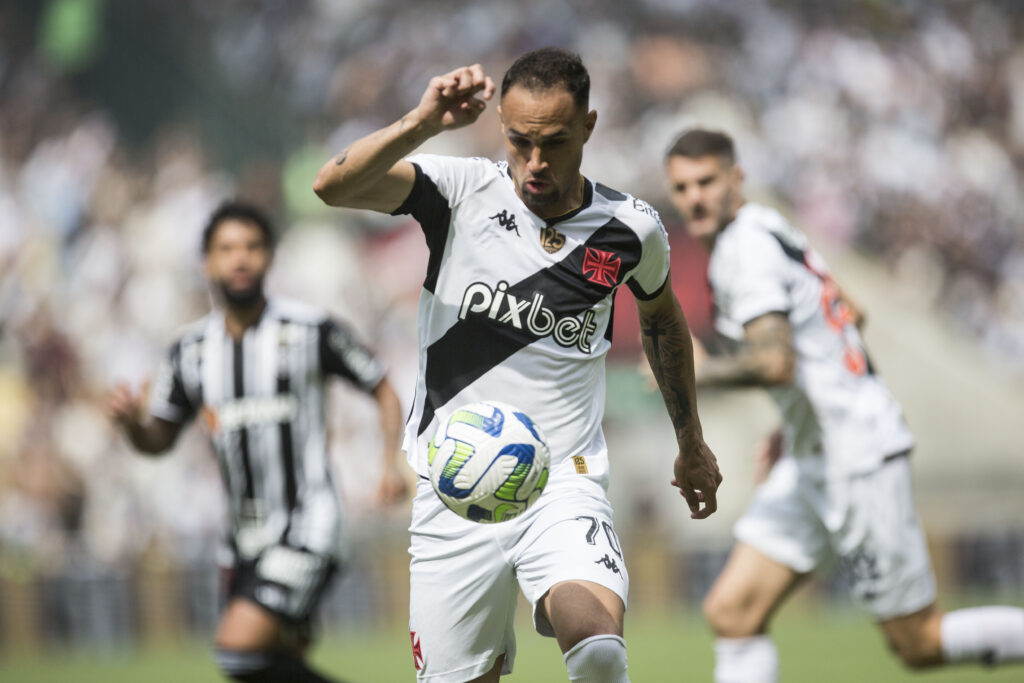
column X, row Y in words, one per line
column 517, row 308
column 261, row 400
column 836, row 406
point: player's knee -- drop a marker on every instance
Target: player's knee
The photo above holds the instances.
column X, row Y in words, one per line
column 598, row 659
column 730, row 617
column 916, row 651
column 241, row 665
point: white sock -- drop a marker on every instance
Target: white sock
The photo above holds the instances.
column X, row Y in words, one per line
column 598, row 659
column 746, row 660
column 989, row 634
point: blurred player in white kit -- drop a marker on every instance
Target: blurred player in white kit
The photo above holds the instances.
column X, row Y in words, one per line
column 840, row 486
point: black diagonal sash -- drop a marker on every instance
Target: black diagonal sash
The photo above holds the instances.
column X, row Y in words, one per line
column 476, row 344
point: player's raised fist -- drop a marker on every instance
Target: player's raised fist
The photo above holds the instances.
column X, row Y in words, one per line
column 456, row 98
column 124, row 405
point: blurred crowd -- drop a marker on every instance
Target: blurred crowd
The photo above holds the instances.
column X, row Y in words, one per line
column 896, row 129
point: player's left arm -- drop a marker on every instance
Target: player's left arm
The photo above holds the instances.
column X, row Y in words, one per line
column 393, row 485
column 767, row 357
column 342, row 355
column 669, row 350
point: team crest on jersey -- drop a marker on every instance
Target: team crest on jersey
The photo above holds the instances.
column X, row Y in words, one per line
column 601, row 267
column 210, row 419
column 551, row 240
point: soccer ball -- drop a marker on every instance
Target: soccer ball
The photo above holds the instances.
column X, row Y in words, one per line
column 488, row 462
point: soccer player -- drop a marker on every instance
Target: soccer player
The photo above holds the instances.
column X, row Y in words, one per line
column 525, row 256
column 255, row 370
column 841, row 487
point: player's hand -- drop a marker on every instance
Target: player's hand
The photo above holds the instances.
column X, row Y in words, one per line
column 124, row 405
column 451, row 101
column 767, row 455
column 394, row 487
column 697, row 478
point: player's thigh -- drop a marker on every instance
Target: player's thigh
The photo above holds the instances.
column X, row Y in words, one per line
column 578, row 610
column 462, row 594
column 244, row 625
column 571, row 544
column 747, row 592
column 881, row 547
column 270, row 601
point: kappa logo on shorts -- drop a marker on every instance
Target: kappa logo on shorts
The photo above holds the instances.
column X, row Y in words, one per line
column 608, row 563
column 417, row 651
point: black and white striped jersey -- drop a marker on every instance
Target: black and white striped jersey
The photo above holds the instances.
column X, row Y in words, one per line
column 517, row 308
column 261, row 400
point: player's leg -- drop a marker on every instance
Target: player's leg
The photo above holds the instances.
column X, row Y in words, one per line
column 739, row 607
column 462, row 596
column 780, row 540
column 927, row 638
column 922, row 636
column 587, row 621
column 262, row 633
column 569, row 564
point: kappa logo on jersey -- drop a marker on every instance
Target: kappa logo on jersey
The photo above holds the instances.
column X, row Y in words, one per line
column 601, row 267
column 551, row 240
column 417, row 651
column 528, row 314
column 507, row 221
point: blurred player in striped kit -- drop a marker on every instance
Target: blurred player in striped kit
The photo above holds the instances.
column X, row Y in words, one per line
column 255, row 370
column 839, row 484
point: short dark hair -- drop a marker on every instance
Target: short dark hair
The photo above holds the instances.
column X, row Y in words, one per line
column 700, row 142
column 238, row 211
column 547, row 68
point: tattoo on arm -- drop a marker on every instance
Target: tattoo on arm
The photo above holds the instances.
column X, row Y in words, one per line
column 666, row 342
column 767, row 357
column 342, row 157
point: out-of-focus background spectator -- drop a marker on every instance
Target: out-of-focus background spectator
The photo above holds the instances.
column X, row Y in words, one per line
column 892, row 132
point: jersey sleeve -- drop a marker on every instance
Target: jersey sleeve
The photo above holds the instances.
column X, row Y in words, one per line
column 342, row 355
column 649, row 277
column 757, row 278
column 441, row 183
column 168, row 399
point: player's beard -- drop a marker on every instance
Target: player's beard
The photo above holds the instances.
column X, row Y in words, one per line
column 540, row 201
column 242, row 298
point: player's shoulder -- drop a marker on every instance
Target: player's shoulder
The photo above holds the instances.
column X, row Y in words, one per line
column 634, row 212
column 193, row 332
column 297, row 312
column 758, row 227
column 433, row 163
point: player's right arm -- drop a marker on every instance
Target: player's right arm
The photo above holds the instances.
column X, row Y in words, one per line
column 767, row 357
column 372, row 174
column 146, row 433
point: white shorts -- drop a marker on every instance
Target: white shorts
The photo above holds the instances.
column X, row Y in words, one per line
column 867, row 523
column 464, row 576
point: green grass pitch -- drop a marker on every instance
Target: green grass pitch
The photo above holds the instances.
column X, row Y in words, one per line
column 814, row 645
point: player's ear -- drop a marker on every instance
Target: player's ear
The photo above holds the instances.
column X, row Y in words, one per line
column 589, row 123
column 737, row 174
